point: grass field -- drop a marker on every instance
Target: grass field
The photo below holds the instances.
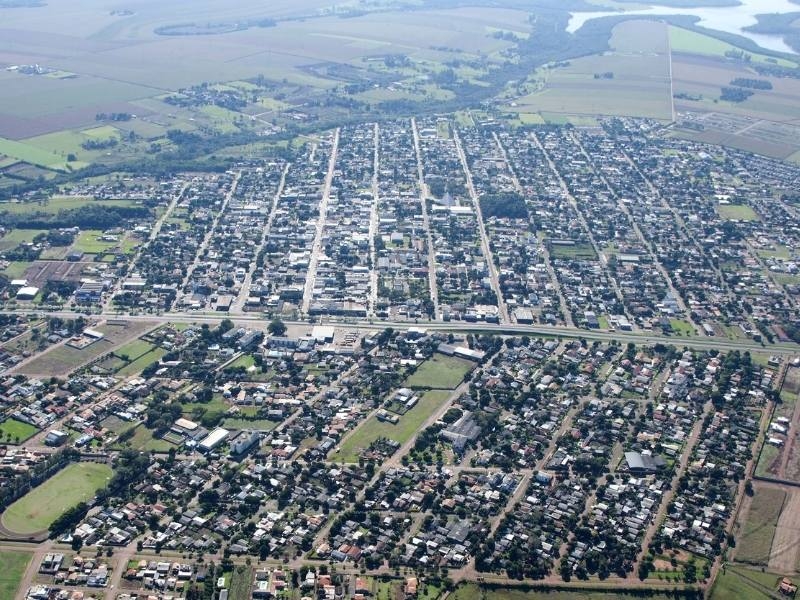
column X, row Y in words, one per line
column 145, row 360
column 134, row 349
column 372, row 429
column 57, row 203
column 143, row 440
column 16, row 237
column 738, row 212
column 743, row 584
column 41, row 506
column 440, row 372
column 14, row 565
column 578, row 251
column 16, row 431
column 681, row 327
column 33, row 155
column 690, row 42
column 755, row 541
column 255, row 424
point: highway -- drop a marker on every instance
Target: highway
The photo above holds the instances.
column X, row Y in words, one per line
column 698, row 343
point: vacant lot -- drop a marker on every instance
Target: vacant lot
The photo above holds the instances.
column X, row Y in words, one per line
column 41, row 506
column 743, row 584
column 14, row 565
column 737, row 212
column 143, row 440
column 785, row 550
column 755, row 541
column 372, row 429
column 440, row 372
column 63, row 359
column 13, row 431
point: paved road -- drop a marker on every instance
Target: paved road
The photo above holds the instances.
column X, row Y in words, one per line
column 423, row 195
column 494, row 277
column 316, row 248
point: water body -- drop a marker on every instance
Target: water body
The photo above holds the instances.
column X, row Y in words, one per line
column 732, row 19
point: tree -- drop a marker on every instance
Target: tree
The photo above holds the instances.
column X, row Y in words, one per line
column 277, row 327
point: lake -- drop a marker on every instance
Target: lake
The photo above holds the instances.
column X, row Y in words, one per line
column 731, row 19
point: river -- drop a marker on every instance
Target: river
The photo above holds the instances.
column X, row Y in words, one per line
column 731, row 19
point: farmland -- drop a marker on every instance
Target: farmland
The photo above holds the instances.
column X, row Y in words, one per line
column 759, row 528
column 41, row 506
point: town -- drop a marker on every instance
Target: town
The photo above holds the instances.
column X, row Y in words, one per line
column 418, row 358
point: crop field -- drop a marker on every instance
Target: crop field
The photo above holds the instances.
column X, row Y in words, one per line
column 14, row 565
column 13, row 431
column 372, row 429
column 755, row 541
column 639, row 86
column 41, row 506
column 690, row 42
column 32, row 155
column 440, row 372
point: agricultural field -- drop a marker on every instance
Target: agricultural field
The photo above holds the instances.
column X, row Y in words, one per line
column 14, row 565
column 372, row 429
column 690, row 42
column 632, row 79
column 755, row 540
column 440, row 372
column 41, row 506
column 13, row 431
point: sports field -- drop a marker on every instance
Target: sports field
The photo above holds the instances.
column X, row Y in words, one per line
column 37, row 510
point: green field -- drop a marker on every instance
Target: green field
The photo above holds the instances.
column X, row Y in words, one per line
column 743, row 584
column 14, row 566
column 681, row 327
column 255, row 424
column 755, row 542
column 134, row 349
column 581, row 251
column 738, row 212
column 88, row 242
column 372, row 429
column 33, row 155
column 143, row 440
column 16, row 237
column 41, row 506
column 57, row 203
column 440, row 372
column 145, row 360
column 16, row 431
column 690, row 42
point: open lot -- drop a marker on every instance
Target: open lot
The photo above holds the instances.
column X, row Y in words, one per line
column 62, row 359
column 440, row 372
column 785, row 553
column 734, row 583
column 738, row 212
column 372, row 428
column 13, row 431
column 41, row 506
column 14, row 565
column 755, row 540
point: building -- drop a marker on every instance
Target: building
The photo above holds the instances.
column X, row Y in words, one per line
column 56, row 438
column 27, row 292
column 323, row 333
column 213, row 440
